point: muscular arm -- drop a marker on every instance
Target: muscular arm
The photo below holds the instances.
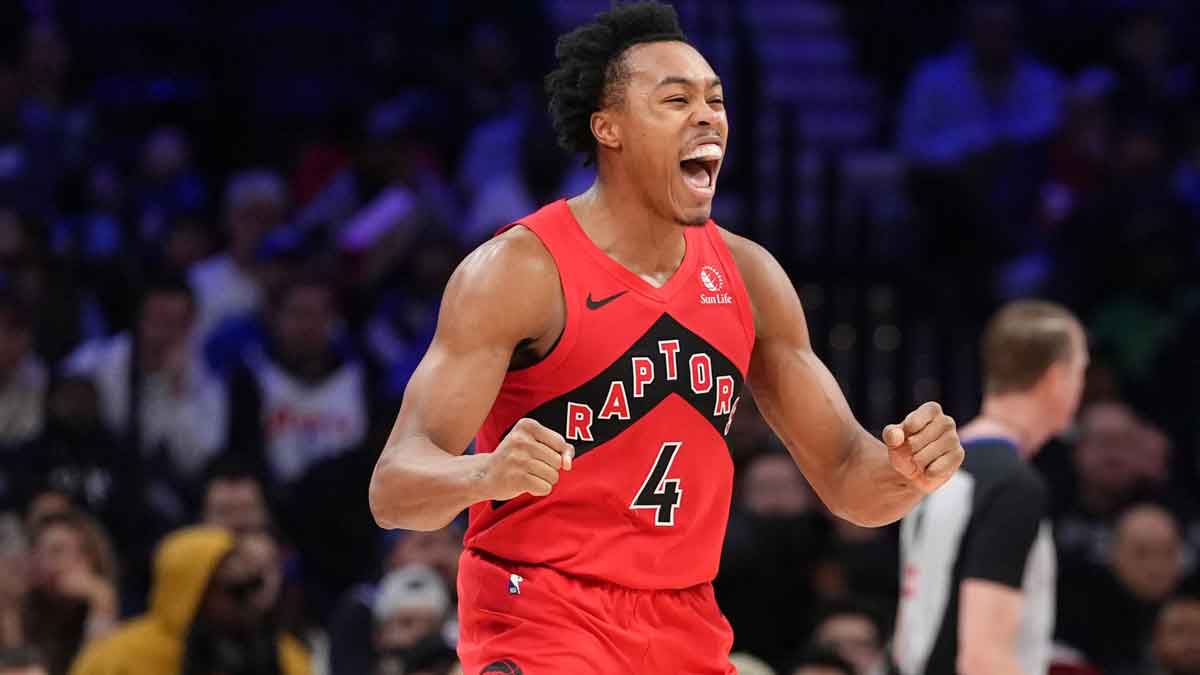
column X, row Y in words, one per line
column 803, row 404
column 989, row 615
column 504, row 293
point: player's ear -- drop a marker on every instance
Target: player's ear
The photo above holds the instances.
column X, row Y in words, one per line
column 606, row 129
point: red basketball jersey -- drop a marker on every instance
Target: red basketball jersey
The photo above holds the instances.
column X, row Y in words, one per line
column 644, row 382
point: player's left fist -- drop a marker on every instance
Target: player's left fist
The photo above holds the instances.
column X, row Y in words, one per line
column 924, row 448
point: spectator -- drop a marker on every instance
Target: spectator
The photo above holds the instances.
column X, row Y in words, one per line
column 154, row 388
column 1108, row 613
column 188, row 242
column 168, row 187
column 231, row 284
column 90, row 236
column 234, row 499
column 1079, row 155
column 21, row 661
column 23, row 377
column 28, row 272
column 209, row 614
column 410, row 610
column 544, row 174
column 401, row 326
column 439, row 549
column 1107, row 478
column 774, row 538
column 29, row 147
column 1176, row 644
column 79, row 460
column 860, row 560
column 391, row 192
column 856, row 631
column 820, row 661
column 300, row 400
column 974, row 123
column 14, row 582
column 350, row 624
column 1150, row 83
column 73, row 595
column 979, row 96
column 45, row 66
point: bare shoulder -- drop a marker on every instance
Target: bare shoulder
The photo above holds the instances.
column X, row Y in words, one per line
column 747, row 254
column 509, row 282
column 772, row 295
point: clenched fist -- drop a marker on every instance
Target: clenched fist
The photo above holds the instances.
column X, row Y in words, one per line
column 925, row 447
column 527, row 460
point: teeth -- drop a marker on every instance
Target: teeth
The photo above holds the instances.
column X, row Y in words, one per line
column 706, row 151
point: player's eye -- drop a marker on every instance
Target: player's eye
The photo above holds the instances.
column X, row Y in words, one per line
column 716, row 101
column 677, row 99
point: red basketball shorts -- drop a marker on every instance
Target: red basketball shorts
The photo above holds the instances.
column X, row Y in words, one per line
column 532, row 620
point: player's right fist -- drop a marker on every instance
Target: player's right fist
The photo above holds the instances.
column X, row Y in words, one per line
column 527, row 460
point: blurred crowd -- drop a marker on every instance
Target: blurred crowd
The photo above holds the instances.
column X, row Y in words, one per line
column 223, row 237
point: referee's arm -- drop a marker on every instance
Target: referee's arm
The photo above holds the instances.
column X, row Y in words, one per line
column 990, row 596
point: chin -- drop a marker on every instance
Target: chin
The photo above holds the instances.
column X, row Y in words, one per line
column 696, row 217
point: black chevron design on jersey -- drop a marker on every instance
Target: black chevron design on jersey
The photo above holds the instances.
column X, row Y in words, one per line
column 553, row 413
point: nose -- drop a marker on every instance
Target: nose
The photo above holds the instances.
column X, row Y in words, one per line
column 705, row 115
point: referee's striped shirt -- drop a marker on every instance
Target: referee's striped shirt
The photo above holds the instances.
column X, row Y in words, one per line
column 989, row 521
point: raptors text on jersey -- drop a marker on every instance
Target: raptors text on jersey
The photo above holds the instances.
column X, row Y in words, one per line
column 644, row 382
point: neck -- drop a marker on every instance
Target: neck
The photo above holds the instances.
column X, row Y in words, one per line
column 615, row 217
column 1016, row 417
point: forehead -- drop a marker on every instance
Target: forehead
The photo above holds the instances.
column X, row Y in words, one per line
column 649, row 63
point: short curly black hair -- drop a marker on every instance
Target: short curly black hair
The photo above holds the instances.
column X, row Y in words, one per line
column 590, row 67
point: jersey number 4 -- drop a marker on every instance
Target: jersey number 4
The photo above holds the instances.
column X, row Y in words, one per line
column 659, row 492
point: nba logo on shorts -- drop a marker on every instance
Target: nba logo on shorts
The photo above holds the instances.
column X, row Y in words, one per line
column 514, row 584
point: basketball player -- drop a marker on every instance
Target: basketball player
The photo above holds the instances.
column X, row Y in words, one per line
column 977, row 557
column 599, row 347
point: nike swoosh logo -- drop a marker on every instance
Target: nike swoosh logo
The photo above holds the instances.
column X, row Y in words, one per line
column 597, row 304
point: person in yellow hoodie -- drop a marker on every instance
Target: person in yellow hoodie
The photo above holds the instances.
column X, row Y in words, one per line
column 209, row 615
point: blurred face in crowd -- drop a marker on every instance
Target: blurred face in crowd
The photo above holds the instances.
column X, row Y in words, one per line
column 165, row 324
column 439, row 549
column 854, row 637
column 1105, row 454
column 236, row 504
column 250, row 221
column 58, row 550
column 773, row 486
column 306, row 320
column 1177, row 637
column 245, row 586
column 45, row 505
column 993, row 28
column 1147, row 553
column 406, row 627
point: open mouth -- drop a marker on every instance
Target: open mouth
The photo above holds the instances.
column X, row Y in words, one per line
column 700, row 174
column 699, row 167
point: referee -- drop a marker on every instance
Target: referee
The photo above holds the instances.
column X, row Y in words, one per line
column 977, row 558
